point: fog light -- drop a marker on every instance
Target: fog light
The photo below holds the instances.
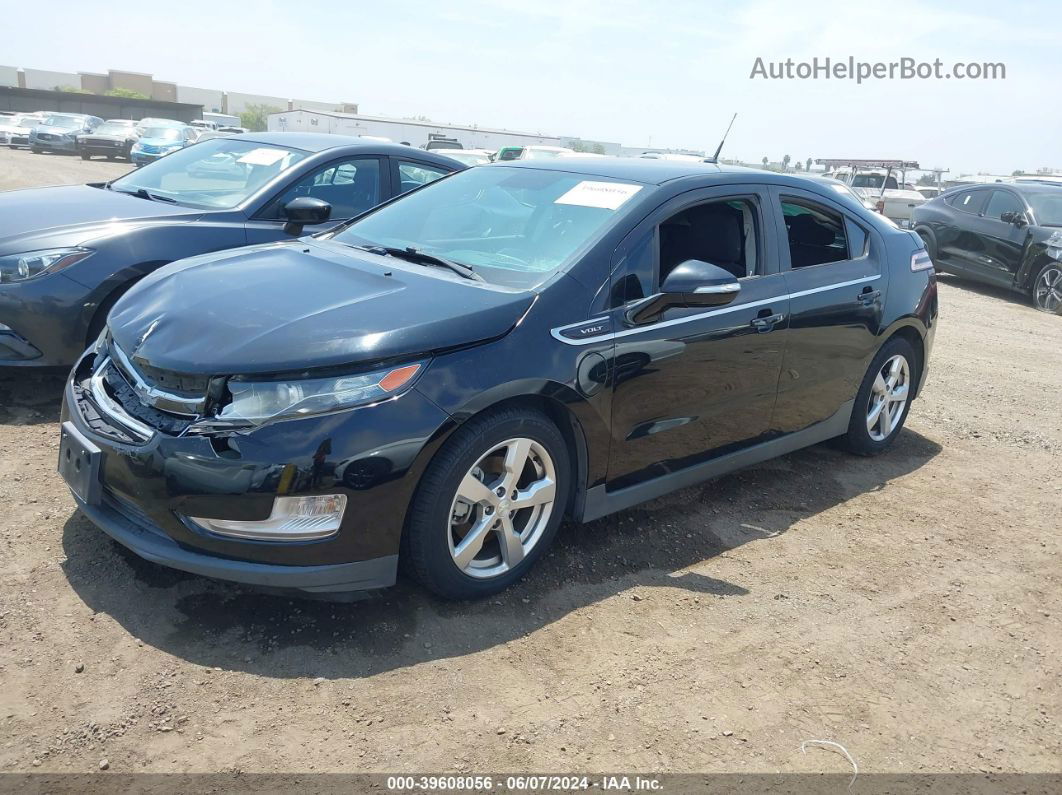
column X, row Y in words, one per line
column 292, row 519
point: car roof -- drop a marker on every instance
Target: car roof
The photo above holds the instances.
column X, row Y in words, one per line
column 320, row 142
column 651, row 171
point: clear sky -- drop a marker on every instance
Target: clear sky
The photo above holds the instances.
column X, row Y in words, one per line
column 632, row 71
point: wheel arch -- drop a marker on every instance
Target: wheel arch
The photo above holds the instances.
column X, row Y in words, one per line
column 108, row 293
column 910, row 329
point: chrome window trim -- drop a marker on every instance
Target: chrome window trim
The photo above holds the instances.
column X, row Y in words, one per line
column 111, row 408
column 557, row 333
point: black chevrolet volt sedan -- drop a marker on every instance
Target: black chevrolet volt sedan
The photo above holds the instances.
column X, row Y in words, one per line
column 444, row 379
column 68, row 253
column 1008, row 235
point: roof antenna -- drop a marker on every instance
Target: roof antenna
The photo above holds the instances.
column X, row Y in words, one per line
column 715, row 158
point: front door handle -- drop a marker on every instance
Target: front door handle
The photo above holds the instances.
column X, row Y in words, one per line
column 765, row 324
column 869, row 297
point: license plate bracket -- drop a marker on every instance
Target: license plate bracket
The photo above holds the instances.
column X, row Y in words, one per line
column 79, row 464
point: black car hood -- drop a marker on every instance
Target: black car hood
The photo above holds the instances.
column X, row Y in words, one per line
column 37, row 212
column 303, row 304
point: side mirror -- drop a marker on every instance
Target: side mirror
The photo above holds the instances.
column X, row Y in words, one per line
column 305, row 210
column 1009, row 217
column 690, row 283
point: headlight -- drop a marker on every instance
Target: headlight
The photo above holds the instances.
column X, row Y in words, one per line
column 256, row 402
column 20, row 267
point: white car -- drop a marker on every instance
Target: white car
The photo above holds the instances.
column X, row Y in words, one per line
column 15, row 130
column 538, row 152
column 470, row 157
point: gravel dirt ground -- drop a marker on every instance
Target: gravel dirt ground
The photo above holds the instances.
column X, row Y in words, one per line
column 908, row 607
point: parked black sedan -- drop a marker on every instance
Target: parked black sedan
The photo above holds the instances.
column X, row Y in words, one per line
column 67, row 253
column 449, row 375
column 112, row 139
column 1007, row 235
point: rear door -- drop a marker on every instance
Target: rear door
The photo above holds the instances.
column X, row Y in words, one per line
column 836, row 280
column 351, row 185
column 958, row 240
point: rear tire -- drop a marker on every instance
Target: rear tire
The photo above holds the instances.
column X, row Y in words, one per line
column 86, row 156
column 1046, row 291
column 883, row 400
column 488, row 505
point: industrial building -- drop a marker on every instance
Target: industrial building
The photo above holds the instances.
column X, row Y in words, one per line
column 418, row 132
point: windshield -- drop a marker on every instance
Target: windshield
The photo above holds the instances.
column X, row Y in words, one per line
column 30, row 121
column 217, row 174
column 514, row 226
column 64, row 122
column 844, row 190
column 165, row 133
column 112, row 129
column 1047, row 208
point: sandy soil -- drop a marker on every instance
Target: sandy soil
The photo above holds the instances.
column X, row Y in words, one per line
column 908, row 607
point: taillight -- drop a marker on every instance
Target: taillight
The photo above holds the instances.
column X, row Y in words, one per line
column 920, row 261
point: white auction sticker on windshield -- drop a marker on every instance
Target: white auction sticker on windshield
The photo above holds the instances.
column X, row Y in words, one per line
column 262, row 157
column 606, row 195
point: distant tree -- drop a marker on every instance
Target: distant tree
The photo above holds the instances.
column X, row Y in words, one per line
column 927, row 179
column 1018, row 173
column 765, row 161
column 126, row 93
column 808, row 164
column 799, row 166
column 256, row 116
column 785, row 162
column 72, row 90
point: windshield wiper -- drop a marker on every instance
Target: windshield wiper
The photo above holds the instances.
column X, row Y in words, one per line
column 411, row 254
column 143, row 193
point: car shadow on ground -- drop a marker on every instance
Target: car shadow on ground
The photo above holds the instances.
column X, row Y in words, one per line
column 31, row 397
column 218, row 624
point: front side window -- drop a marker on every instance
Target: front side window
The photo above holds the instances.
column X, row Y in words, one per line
column 1003, row 201
column 816, row 234
column 351, row 187
column 413, row 175
column 217, row 174
column 513, row 226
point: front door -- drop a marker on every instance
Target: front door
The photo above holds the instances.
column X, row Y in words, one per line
column 1002, row 241
column 697, row 382
column 351, row 185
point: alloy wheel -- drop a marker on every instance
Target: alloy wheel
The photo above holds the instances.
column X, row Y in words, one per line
column 502, row 508
column 1048, row 290
column 888, row 397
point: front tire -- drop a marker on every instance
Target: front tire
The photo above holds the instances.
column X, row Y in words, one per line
column 883, row 400
column 1047, row 289
column 488, row 505
column 85, row 155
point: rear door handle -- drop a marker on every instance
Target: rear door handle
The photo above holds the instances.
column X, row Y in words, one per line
column 869, row 297
column 765, row 324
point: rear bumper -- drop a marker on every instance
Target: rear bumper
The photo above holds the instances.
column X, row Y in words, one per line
column 154, row 545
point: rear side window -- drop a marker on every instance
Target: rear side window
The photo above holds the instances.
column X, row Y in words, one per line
column 413, row 175
column 969, row 201
column 1003, row 201
column 817, row 235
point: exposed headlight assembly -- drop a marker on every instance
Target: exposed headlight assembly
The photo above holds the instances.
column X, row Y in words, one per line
column 31, row 264
column 257, row 402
